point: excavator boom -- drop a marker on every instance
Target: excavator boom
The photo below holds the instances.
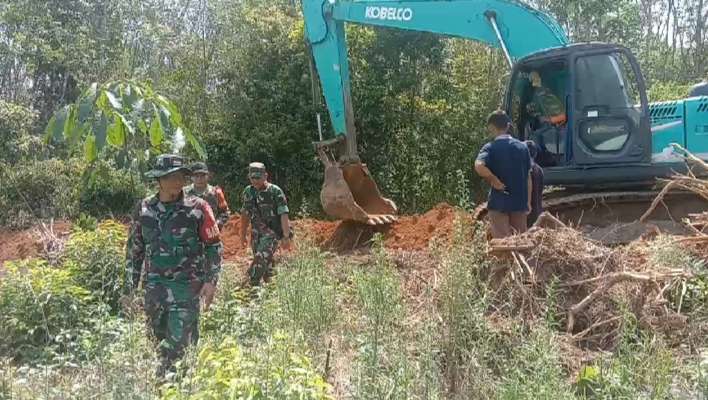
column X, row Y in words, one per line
column 349, row 192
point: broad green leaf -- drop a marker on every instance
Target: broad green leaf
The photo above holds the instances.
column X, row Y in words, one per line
column 89, row 149
column 138, row 91
column 101, row 100
column 129, row 96
column 48, row 130
column 115, row 103
column 93, row 175
column 101, row 132
column 156, row 134
column 143, row 127
column 164, row 115
column 116, row 134
column 75, row 133
column 87, row 103
column 69, row 122
column 127, row 124
column 59, row 121
column 196, row 143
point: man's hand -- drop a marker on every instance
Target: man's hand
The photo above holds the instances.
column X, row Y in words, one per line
column 286, row 243
column 496, row 183
column 528, row 209
column 126, row 302
column 244, row 241
column 206, row 295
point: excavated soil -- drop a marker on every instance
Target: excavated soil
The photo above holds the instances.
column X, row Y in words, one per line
column 407, row 233
column 23, row 244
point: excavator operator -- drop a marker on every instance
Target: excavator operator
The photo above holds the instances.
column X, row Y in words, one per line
column 553, row 133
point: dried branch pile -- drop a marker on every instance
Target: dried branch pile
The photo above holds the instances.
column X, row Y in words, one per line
column 589, row 284
column 697, row 223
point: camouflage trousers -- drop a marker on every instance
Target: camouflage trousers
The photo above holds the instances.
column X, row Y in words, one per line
column 172, row 309
column 263, row 246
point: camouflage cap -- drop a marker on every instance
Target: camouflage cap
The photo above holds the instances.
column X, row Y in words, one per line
column 167, row 164
column 256, row 169
column 199, row 167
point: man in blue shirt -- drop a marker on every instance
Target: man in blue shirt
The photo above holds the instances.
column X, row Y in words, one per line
column 505, row 162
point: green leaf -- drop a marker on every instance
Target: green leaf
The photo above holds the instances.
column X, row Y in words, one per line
column 156, row 133
column 116, row 134
column 90, row 149
column 164, row 116
column 196, row 143
column 69, row 123
column 48, row 130
column 129, row 96
column 75, row 133
column 101, row 132
column 87, row 103
column 59, row 120
column 143, row 127
column 115, row 103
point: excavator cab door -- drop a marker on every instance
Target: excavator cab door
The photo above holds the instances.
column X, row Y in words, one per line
column 608, row 112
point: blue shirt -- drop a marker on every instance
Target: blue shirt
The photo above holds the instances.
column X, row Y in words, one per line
column 509, row 160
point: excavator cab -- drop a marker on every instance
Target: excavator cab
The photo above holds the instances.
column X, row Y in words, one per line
column 600, row 90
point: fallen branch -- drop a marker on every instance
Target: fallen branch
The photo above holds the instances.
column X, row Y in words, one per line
column 658, row 200
column 545, row 221
column 613, row 279
column 513, row 248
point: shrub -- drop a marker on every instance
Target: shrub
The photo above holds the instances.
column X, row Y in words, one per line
column 275, row 369
column 40, row 307
column 55, row 189
column 96, row 260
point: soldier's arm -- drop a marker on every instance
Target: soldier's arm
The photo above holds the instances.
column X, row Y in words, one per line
column 244, row 213
column 281, row 203
column 135, row 253
column 224, row 212
column 209, row 234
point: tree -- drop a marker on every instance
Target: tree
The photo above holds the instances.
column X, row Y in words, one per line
column 122, row 121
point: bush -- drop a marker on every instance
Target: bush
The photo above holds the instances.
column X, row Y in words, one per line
column 55, row 189
column 275, row 369
column 96, row 261
column 40, row 308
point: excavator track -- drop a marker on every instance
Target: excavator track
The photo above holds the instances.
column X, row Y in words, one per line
column 613, row 217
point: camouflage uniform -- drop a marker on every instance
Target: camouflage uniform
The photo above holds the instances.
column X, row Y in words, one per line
column 215, row 197
column 263, row 208
column 181, row 246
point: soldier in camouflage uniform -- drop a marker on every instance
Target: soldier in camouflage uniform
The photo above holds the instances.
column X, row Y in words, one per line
column 212, row 194
column 178, row 238
column 266, row 208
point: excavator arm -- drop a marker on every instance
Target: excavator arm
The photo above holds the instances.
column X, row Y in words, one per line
column 349, row 192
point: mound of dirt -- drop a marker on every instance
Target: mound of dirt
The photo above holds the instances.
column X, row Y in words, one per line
column 407, row 233
column 23, row 244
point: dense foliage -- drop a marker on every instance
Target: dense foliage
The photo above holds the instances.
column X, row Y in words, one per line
column 239, row 74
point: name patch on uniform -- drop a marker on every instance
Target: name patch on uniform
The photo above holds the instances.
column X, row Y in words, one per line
column 209, row 231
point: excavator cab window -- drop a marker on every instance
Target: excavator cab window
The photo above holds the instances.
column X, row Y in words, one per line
column 606, row 84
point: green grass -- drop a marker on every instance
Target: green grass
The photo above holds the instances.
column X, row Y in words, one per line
column 330, row 327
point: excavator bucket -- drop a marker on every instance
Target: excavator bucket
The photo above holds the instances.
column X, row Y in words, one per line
column 349, row 193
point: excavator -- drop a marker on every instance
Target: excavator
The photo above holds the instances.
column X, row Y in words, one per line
column 605, row 145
